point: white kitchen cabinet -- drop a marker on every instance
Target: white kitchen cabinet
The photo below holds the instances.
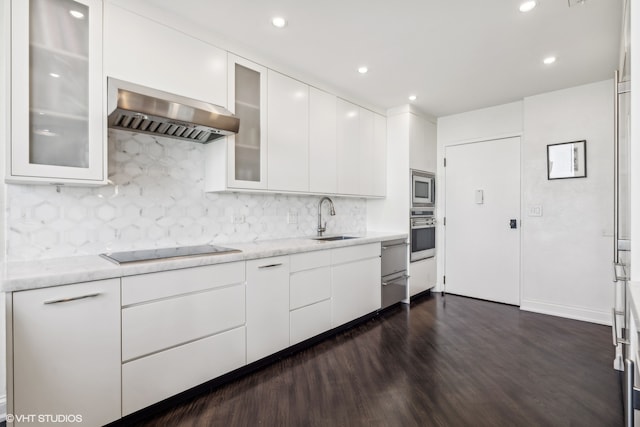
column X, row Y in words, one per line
column 422, row 144
column 422, row 275
column 168, row 60
column 57, row 91
column 361, row 151
column 355, row 282
column 267, row 306
column 161, row 375
column 239, row 162
column 348, row 148
column 288, row 133
column 310, row 295
column 180, row 328
column 373, row 153
column 322, row 142
column 66, row 352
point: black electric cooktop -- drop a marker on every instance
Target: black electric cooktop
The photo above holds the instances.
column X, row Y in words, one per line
column 166, row 253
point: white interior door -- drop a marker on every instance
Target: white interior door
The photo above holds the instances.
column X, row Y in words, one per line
column 482, row 250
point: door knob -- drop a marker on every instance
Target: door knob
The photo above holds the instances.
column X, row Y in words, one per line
column 513, row 223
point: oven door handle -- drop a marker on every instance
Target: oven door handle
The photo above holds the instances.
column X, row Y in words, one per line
column 421, row 226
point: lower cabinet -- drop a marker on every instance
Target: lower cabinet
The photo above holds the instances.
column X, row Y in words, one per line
column 154, row 378
column 267, row 306
column 66, row 353
column 180, row 328
column 423, row 275
column 106, row 349
column 355, row 282
column 309, row 295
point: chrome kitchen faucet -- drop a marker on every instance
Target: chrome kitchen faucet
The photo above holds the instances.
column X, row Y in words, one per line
column 332, row 212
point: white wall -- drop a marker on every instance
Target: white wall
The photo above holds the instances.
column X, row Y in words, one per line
column 567, row 252
column 488, row 123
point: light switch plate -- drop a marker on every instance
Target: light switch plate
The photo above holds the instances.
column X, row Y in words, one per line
column 535, row 210
column 479, row 197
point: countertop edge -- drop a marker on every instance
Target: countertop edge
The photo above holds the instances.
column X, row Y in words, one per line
column 28, row 275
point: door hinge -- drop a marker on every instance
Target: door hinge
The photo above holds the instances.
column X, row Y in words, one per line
column 445, row 162
column 444, row 280
column 444, row 221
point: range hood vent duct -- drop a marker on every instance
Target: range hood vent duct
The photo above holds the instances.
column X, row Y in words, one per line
column 141, row 109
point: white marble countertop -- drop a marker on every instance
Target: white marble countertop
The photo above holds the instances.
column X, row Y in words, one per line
column 25, row 275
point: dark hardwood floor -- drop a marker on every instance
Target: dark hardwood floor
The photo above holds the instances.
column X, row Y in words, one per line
column 451, row 362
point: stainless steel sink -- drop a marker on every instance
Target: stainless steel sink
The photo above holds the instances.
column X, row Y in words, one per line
column 332, row 238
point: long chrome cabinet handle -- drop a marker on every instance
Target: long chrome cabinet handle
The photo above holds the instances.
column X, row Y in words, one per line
column 405, row 277
column 61, row 300
column 270, row 265
column 394, row 246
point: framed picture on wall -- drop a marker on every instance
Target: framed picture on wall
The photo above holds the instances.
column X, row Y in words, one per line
column 567, row 160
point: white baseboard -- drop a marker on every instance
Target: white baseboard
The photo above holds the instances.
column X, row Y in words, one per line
column 569, row 312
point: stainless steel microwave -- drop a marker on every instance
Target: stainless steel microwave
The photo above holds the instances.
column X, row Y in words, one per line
column 423, row 189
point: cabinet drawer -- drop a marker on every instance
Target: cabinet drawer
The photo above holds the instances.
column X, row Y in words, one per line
column 148, row 328
column 354, row 253
column 309, row 260
column 147, row 287
column 154, row 378
column 309, row 321
column 309, row 286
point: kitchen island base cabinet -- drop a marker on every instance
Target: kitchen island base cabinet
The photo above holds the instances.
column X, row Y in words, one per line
column 267, row 307
column 355, row 283
column 66, row 352
column 153, row 378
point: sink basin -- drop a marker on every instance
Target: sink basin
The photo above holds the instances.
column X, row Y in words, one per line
column 332, row 238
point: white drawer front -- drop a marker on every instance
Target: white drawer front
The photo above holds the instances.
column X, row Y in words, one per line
column 155, row 326
column 354, row 253
column 310, row 321
column 309, row 260
column 309, row 286
column 147, row 287
column 154, row 378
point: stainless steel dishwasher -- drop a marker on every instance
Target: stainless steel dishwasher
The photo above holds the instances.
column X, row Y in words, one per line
column 395, row 281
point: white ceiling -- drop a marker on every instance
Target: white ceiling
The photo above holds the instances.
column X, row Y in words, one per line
column 455, row 55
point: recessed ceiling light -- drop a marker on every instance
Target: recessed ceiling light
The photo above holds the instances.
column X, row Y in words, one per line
column 527, row 6
column 55, row 75
column 412, row 97
column 279, row 22
column 363, row 70
column 76, row 14
column 549, row 60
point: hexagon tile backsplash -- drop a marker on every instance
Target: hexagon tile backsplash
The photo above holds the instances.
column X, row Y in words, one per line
column 155, row 199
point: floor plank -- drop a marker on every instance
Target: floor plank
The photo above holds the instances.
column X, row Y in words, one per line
column 445, row 362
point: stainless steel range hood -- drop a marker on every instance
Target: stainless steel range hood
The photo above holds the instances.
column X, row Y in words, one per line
column 141, row 109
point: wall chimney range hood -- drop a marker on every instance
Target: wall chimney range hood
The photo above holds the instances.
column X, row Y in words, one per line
column 141, row 109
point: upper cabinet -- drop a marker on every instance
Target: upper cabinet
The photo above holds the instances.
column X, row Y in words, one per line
column 422, row 144
column 322, row 142
column 288, row 133
column 57, row 121
column 239, row 162
column 142, row 51
column 361, row 151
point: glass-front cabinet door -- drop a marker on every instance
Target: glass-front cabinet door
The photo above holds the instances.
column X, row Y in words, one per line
column 247, row 154
column 57, row 133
